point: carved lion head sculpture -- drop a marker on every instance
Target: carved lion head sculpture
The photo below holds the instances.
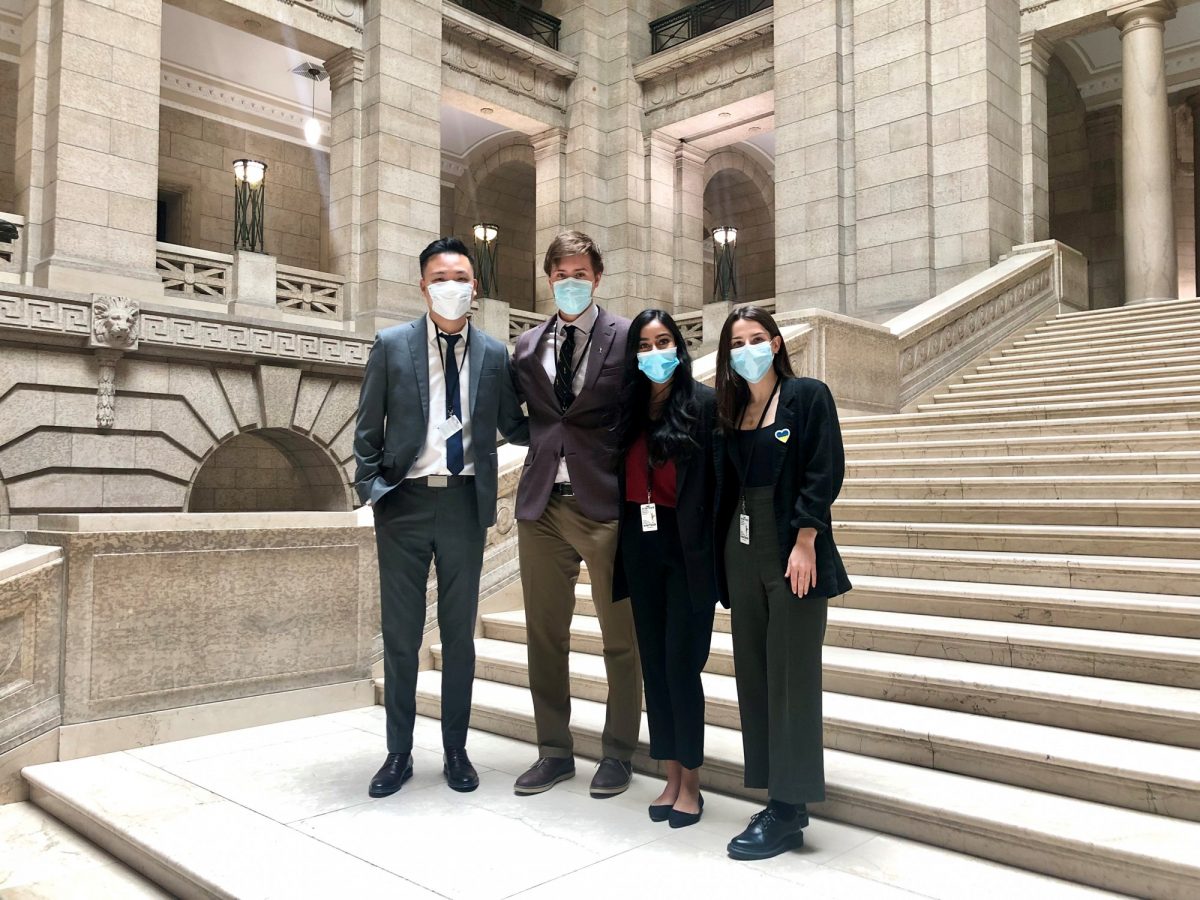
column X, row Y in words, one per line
column 115, row 321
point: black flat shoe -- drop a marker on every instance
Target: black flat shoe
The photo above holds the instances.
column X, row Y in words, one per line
column 768, row 835
column 660, row 813
column 396, row 770
column 684, row 819
column 460, row 774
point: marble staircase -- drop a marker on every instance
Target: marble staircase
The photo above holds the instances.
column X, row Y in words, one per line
column 1015, row 674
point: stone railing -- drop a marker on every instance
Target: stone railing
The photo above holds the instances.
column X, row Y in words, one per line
column 520, row 321
column 309, row 292
column 11, row 226
column 193, row 273
column 691, row 325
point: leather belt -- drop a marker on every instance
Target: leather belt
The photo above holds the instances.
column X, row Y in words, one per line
column 441, row 481
column 563, row 488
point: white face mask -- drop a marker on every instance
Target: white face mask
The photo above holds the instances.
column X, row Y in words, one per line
column 451, row 299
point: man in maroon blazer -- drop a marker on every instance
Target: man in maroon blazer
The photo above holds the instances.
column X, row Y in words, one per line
column 569, row 372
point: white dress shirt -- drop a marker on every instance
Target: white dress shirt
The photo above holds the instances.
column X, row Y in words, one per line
column 550, row 345
column 432, row 460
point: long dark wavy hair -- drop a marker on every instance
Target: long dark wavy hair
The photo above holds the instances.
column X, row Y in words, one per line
column 671, row 435
column 733, row 392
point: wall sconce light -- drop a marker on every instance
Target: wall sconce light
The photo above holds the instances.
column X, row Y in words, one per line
column 249, row 188
column 315, row 72
column 725, row 266
column 485, row 258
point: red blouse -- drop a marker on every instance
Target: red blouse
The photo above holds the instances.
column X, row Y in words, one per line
column 636, row 463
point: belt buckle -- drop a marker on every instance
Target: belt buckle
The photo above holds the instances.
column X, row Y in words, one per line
column 438, row 481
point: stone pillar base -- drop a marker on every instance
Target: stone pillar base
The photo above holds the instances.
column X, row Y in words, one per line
column 83, row 277
column 492, row 318
column 253, row 290
column 714, row 318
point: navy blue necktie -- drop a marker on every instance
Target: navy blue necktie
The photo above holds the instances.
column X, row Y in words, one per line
column 454, row 443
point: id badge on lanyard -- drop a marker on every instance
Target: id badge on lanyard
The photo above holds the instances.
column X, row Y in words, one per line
column 649, row 509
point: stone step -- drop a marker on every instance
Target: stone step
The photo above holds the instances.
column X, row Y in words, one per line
column 1187, row 342
column 1033, row 487
column 1173, row 462
column 1127, row 540
column 1101, row 845
column 1144, row 396
column 193, row 842
column 1030, row 445
column 1080, row 362
column 1104, row 336
column 1109, row 573
column 1036, row 418
column 974, row 383
column 1118, row 611
column 1053, row 511
column 1064, row 385
column 1152, row 659
column 915, row 427
column 1178, row 317
column 1152, row 712
column 1156, row 365
column 1118, row 771
column 1137, row 310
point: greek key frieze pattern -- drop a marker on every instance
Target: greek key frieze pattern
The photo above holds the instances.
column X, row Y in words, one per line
column 945, row 339
column 177, row 331
column 45, row 314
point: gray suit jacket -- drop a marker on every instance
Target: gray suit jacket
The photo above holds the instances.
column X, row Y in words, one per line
column 393, row 409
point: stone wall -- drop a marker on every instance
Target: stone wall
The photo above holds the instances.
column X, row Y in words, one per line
column 196, row 159
column 8, row 135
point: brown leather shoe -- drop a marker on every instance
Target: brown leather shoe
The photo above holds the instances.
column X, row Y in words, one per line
column 544, row 774
column 612, row 777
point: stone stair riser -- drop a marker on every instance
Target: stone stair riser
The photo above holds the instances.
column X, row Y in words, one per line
column 1144, row 397
column 1114, row 464
column 1166, row 488
column 1117, row 543
column 1081, row 445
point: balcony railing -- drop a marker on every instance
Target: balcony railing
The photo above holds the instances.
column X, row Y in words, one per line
column 305, row 291
column 193, row 273
column 700, row 18
column 517, row 16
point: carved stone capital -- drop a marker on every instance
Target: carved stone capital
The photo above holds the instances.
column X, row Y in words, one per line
column 1036, row 51
column 1140, row 14
column 115, row 322
column 345, row 67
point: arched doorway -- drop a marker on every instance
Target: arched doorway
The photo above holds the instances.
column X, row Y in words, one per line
column 268, row 470
column 732, row 197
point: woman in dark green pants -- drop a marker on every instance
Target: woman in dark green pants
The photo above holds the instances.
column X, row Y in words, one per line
column 779, row 463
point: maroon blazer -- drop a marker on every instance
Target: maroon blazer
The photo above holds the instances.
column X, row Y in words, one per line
column 585, row 433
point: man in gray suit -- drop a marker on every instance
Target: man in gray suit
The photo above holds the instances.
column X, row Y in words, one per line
column 433, row 395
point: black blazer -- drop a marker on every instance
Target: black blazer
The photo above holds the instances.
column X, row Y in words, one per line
column 808, row 477
column 695, row 485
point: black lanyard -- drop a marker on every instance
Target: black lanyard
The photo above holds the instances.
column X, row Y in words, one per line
column 462, row 362
column 744, row 471
column 582, row 356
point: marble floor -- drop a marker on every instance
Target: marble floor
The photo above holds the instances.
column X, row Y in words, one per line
column 427, row 841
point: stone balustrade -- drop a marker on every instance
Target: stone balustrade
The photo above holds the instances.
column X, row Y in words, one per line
column 309, row 292
column 193, row 273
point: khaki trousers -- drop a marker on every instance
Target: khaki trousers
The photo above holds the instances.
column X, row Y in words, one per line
column 551, row 549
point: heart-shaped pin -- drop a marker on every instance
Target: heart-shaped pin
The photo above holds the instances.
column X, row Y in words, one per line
column 783, row 434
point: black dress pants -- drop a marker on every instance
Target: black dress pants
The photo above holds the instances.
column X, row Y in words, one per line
column 673, row 636
column 414, row 525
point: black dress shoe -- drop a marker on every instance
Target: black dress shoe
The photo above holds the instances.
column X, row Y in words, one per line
column 684, row 819
column 396, row 770
column 768, row 835
column 612, row 777
column 660, row 813
column 544, row 774
column 460, row 774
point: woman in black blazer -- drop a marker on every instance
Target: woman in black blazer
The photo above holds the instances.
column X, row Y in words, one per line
column 665, row 562
column 779, row 466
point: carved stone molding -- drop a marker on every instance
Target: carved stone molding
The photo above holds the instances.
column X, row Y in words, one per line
column 349, row 11
column 106, row 388
column 698, row 74
column 115, row 322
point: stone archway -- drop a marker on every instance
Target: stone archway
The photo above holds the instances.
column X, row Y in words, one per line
column 268, row 470
column 738, row 191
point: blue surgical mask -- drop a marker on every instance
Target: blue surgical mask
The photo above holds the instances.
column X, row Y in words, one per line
column 572, row 295
column 658, row 365
column 752, row 361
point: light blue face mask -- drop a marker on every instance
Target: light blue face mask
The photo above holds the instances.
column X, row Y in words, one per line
column 658, row 365
column 572, row 295
column 752, row 361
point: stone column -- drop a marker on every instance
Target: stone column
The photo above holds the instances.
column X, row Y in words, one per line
column 1149, row 230
column 1035, row 171
column 814, row 156
column 660, row 201
column 549, row 159
column 1194, row 103
column 401, row 156
column 87, row 144
column 345, row 172
column 690, row 290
